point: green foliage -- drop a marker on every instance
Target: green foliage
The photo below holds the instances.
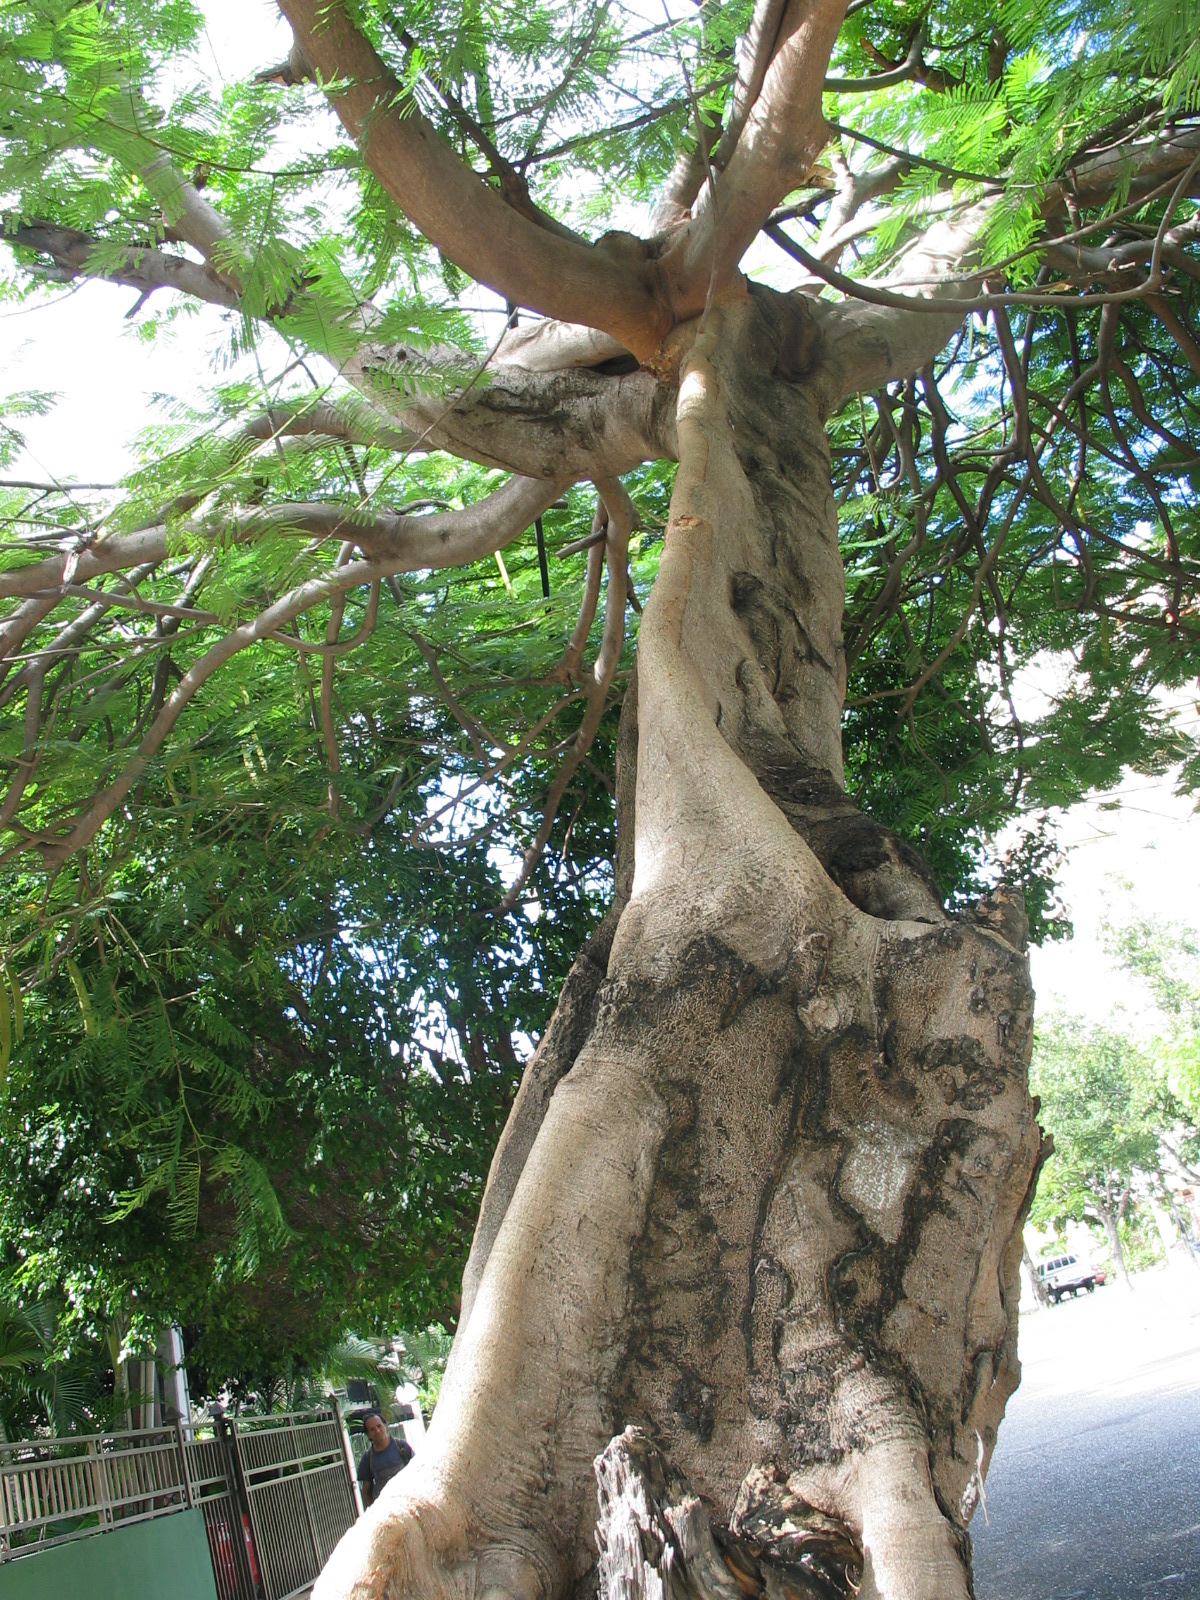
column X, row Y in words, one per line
column 266, row 1061
column 1100, row 1104
column 1166, row 957
column 256, row 1039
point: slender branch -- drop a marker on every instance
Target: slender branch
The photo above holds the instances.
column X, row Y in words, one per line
column 337, row 611
column 475, row 731
column 620, row 520
column 333, row 647
column 864, row 347
column 77, row 255
column 573, row 654
column 57, row 847
column 27, row 763
column 911, row 70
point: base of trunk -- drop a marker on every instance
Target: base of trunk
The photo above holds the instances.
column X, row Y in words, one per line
column 656, row 1542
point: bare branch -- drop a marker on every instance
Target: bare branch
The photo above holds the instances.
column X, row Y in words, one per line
column 475, row 731
column 77, row 255
column 573, row 654
column 620, row 519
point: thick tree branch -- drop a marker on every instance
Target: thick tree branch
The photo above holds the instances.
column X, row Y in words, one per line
column 542, row 413
column 784, row 132
column 445, row 539
column 608, row 286
column 396, row 544
column 759, row 45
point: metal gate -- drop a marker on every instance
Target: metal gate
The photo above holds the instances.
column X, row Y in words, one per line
column 212, row 1488
column 295, row 1478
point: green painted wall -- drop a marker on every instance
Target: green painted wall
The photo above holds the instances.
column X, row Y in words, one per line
column 165, row 1559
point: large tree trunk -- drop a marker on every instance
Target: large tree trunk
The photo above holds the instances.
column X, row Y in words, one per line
column 762, row 1190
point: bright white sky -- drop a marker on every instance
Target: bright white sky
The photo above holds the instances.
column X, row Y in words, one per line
column 1135, row 851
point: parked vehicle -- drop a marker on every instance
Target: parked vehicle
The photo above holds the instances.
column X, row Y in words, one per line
column 1067, row 1275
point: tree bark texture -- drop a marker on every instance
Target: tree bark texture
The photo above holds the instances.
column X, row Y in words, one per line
column 1109, row 1216
column 761, row 1196
column 1035, row 1283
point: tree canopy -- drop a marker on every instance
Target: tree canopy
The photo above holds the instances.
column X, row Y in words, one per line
column 1118, row 1099
column 1166, row 957
column 307, row 725
column 1098, row 1102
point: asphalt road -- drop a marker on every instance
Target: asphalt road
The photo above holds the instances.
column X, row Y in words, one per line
column 1094, row 1490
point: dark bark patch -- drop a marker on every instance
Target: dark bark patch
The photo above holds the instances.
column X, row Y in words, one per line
column 787, row 340
column 692, row 1403
column 771, row 1522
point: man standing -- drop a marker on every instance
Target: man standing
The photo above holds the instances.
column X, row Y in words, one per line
column 382, row 1461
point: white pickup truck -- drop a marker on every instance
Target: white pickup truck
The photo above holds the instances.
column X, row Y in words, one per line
column 1067, row 1275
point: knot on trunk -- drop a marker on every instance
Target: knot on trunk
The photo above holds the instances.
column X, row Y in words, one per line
column 656, row 1542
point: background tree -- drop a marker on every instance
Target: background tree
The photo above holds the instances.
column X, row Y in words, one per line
column 760, row 1193
column 41, row 1385
column 1098, row 1102
column 264, row 1072
column 1166, row 957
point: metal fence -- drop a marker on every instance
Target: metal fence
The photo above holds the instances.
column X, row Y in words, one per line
column 276, row 1494
column 52, row 1490
column 296, row 1481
